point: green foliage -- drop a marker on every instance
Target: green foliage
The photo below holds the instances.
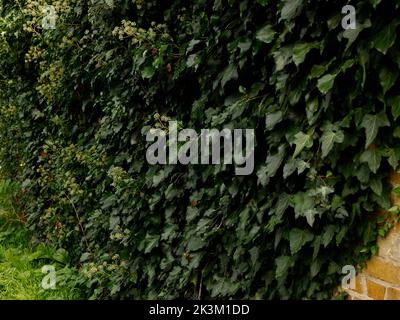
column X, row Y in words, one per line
column 21, row 264
column 77, row 101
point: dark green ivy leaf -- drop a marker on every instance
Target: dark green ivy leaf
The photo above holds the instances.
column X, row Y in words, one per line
column 328, row 234
column 376, row 186
column 283, row 263
column 272, row 119
column 388, row 77
column 394, row 157
column 273, row 163
column 329, row 138
column 148, row 72
column 266, row 34
column 385, row 38
column 302, row 141
column 326, row 83
column 291, row 9
column 394, row 102
column 230, row 73
column 300, row 51
column 298, row 238
column 373, row 158
column 372, row 123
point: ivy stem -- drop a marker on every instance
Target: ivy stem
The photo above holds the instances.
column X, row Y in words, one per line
column 79, row 220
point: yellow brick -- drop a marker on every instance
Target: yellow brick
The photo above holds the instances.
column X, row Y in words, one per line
column 393, row 294
column 389, row 247
column 375, row 290
column 384, row 270
column 359, row 284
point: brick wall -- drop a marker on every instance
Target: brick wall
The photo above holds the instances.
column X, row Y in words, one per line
column 380, row 280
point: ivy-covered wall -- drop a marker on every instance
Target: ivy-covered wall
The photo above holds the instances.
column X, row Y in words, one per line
column 380, row 280
column 78, row 100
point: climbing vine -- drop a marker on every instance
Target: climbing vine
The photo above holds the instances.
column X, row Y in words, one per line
column 76, row 103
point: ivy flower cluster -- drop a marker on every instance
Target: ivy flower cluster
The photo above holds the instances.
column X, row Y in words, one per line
column 72, row 186
column 8, row 111
column 33, row 54
column 91, row 269
column 129, row 29
column 120, row 235
column 36, row 10
column 49, row 78
column 117, row 174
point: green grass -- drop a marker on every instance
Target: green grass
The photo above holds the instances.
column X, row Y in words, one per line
column 21, row 267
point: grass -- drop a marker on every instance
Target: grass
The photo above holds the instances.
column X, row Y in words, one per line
column 21, row 266
column 21, row 263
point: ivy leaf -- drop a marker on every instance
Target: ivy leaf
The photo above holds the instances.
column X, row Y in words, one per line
column 244, row 45
column 328, row 234
column 315, row 267
column 148, row 72
column 372, row 123
column 394, row 103
column 283, row 263
column 375, row 2
column 282, row 57
column 300, row 51
column 352, row 34
column 289, row 168
column 310, row 216
column 193, row 60
column 326, row 83
column 230, row 73
column 317, row 70
column 394, row 157
column 324, row 191
column 301, row 165
column 376, row 186
column 266, row 34
column 298, row 238
column 396, row 132
column 272, row 119
column 312, row 111
column 195, row 243
column 282, row 204
column 348, row 64
column 302, row 204
column 292, row 164
column 254, row 255
column 191, row 45
column 275, row 161
column 151, row 242
column 302, row 141
column 291, row 9
column 328, row 139
column 385, row 38
column 388, row 77
column 373, row 158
